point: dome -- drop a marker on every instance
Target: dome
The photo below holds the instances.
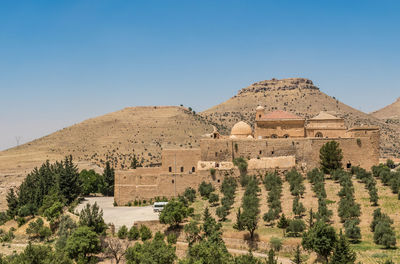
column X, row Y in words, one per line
column 241, row 129
column 259, row 108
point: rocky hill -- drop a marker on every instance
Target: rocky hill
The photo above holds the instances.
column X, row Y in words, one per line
column 117, row 137
column 390, row 112
column 299, row 96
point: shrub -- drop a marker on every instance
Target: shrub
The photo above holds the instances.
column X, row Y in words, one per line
column 213, row 199
column 276, row 243
column 172, row 238
column 133, row 233
column 122, row 232
column 295, row 228
column 205, row 189
column 145, row 233
column 190, row 194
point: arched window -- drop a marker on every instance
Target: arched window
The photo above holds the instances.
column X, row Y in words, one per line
column 286, row 136
column 170, row 169
column 319, row 135
column 193, row 169
column 274, row 136
column 182, row 169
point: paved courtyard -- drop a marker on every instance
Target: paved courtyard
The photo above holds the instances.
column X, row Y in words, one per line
column 120, row 215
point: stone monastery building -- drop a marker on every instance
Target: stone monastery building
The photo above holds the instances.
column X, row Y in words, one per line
column 280, row 140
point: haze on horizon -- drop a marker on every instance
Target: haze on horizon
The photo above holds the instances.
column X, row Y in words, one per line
column 62, row 62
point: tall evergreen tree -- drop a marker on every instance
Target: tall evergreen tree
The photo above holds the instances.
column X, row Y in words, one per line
column 331, row 157
column 12, row 202
column 68, row 180
column 109, row 178
column 342, row 253
column 297, row 256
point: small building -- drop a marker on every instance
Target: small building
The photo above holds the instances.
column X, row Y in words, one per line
column 325, row 125
column 278, row 124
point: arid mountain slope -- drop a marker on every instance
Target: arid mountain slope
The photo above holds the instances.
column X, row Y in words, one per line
column 143, row 131
column 299, row 96
column 390, row 112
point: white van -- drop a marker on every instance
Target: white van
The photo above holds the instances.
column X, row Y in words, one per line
column 159, row 206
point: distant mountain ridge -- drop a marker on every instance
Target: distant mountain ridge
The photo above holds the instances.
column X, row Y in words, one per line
column 391, row 111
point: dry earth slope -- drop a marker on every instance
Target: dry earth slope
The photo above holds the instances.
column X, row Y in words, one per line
column 299, row 96
column 117, row 136
column 390, row 112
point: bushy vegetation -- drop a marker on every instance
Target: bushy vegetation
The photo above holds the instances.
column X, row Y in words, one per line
column 369, row 181
column 228, row 189
column 317, row 179
column 349, row 211
column 205, row 189
column 273, row 185
column 330, row 157
column 381, row 226
column 248, row 218
column 174, row 213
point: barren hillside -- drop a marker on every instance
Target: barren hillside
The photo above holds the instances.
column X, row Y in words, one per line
column 143, row 131
column 390, row 112
column 299, row 96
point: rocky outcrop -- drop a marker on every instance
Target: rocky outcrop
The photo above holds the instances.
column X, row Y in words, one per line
column 279, row 85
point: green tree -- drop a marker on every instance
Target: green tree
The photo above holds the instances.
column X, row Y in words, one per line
column 109, row 178
column 145, row 233
column 82, row 244
column 92, row 216
column 342, row 253
column 190, row 194
column 122, row 232
column 247, row 259
column 65, row 228
column 283, row 222
column 330, row 157
column 384, row 235
column 37, row 229
column 68, row 180
column 297, row 256
column 151, row 252
column 295, row 228
column 241, row 163
column 133, row 233
column 213, row 199
column 205, row 189
column 90, row 182
column 271, row 257
column 352, row 230
column 174, row 213
column 321, row 239
column 210, row 226
column 12, row 202
column 192, row 232
column 298, row 207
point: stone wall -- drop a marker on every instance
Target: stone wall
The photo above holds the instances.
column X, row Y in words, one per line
column 361, row 149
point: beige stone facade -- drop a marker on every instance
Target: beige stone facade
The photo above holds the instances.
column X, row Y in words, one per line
column 280, row 141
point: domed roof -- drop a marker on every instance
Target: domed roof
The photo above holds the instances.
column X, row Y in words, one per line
column 259, row 108
column 241, row 128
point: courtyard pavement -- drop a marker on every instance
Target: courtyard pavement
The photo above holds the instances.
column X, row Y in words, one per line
column 120, row 215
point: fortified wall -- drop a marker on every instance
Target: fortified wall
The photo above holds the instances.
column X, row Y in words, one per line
column 280, row 141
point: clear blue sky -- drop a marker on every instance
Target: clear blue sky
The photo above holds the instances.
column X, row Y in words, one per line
column 62, row 62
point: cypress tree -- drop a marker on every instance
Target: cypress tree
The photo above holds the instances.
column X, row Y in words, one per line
column 12, row 202
column 109, row 176
column 297, row 256
column 68, row 180
column 342, row 253
column 331, row 157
